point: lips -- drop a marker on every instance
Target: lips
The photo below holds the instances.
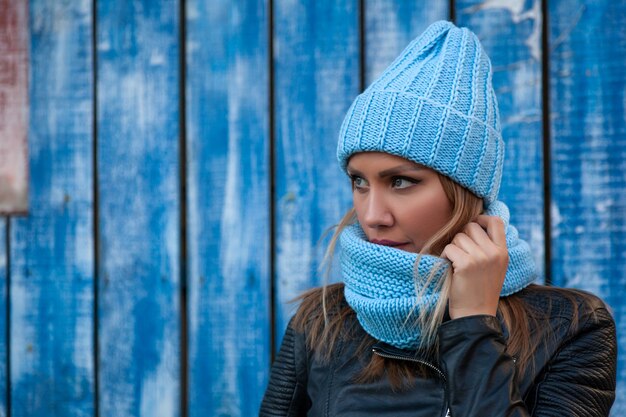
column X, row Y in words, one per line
column 386, row 242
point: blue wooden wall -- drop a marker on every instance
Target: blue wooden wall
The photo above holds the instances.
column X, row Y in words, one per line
column 182, row 175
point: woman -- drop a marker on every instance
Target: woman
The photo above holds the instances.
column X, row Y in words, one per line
column 437, row 313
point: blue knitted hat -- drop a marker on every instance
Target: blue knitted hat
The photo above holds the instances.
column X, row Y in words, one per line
column 434, row 105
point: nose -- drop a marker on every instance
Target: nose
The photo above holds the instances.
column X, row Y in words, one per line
column 377, row 213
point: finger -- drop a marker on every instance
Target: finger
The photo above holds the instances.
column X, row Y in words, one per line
column 464, row 242
column 478, row 234
column 495, row 228
column 454, row 254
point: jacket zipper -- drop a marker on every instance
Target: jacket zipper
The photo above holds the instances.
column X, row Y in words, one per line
column 379, row 352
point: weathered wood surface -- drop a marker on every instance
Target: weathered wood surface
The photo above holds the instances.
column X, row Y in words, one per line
column 4, row 299
column 316, row 58
column 139, row 323
column 228, row 216
column 588, row 142
column 137, row 258
column 390, row 25
column 51, row 250
column 510, row 32
column 13, row 106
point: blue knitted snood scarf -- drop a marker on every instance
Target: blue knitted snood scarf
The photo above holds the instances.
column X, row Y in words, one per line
column 380, row 281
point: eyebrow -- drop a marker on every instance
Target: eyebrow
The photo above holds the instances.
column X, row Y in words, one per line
column 391, row 171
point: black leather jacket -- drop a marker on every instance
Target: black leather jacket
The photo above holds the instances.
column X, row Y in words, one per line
column 573, row 375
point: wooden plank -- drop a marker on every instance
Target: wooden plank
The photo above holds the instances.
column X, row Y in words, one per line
column 139, row 208
column 316, row 60
column 4, row 343
column 587, row 125
column 52, row 261
column 390, row 25
column 228, row 223
column 511, row 35
column 13, row 106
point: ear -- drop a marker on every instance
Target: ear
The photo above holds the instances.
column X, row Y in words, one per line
column 481, row 204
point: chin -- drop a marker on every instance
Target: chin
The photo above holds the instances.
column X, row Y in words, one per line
column 407, row 248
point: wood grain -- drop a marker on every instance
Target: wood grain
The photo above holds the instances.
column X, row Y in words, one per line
column 510, row 32
column 52, row 250
column 587, row 125
column 228, row 216
column 4, row 322
column 390, row 26
column 134, row 268
column 316, row 60
column 139, row 208
column 13, row 106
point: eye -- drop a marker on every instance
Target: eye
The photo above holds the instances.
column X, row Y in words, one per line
column 358, row 182
column 403, row 182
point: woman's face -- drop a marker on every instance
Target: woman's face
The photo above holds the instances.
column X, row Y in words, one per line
column 398, row 202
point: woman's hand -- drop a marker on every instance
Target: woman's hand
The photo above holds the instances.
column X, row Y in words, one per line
column 479, row 261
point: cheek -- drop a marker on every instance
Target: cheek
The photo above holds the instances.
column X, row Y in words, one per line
column 357, row 203
column 427, row 215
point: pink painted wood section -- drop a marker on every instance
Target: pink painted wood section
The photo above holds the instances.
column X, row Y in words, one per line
column 13, row 106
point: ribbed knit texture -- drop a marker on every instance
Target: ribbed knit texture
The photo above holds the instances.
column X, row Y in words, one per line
column 380, row 281
column 434, row 105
